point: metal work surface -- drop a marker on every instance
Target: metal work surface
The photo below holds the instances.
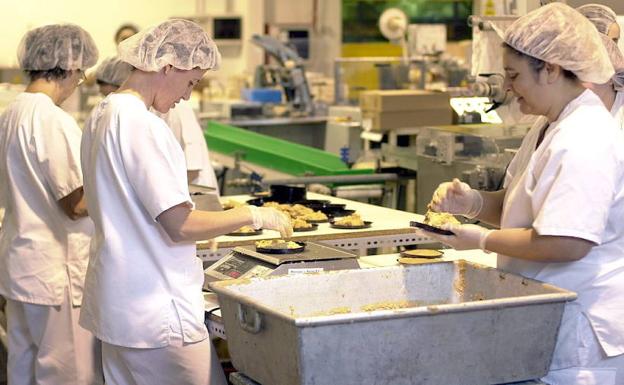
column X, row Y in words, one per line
column 452, row 323
column 390, row 228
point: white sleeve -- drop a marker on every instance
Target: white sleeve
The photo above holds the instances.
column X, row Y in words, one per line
column 574, row 188
column 153, row 162
column 57, row 147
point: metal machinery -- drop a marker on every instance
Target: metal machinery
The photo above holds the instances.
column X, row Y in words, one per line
column 246, row 262
column 289, row 74
column 477, row 154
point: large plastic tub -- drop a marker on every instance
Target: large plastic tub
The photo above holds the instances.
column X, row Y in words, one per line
column 451, row 323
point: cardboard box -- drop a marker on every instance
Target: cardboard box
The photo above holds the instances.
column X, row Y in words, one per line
column 382, row 121
column 403, row 100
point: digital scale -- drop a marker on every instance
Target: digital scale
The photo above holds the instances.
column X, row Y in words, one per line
column 246, row 262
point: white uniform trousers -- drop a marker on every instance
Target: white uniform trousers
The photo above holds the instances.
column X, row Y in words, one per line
column 48, row 347
column 595, row 368
column 177, row 364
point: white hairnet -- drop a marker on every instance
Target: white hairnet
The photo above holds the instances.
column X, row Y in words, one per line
column 65, row 46
column 600, row 15
column 180, row 43
column 558, row 34
column 617, row 60
column 113, row 71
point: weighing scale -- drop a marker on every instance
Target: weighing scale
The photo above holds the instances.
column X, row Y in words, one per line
column 246, row 262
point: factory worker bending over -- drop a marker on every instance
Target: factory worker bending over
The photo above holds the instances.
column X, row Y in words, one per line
column 560, row 213
column 44, row 242
column 111, row 74
column 143, row 296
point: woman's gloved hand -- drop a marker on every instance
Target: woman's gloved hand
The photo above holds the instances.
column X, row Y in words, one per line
column 270, row 218
column 467, row 237
column 456, row 198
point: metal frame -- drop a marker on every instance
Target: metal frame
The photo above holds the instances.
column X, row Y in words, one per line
column 360, row 245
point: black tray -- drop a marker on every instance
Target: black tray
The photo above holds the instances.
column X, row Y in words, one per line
column 314, row 227
column 259, row 201
column 243, row 234
column 366, row 225
column 430, row 228
column 282, row 251
column 340, row 213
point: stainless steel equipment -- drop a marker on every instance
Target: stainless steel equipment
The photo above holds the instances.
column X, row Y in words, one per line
column 246, row 262
column 476, row 154
column 452, row 323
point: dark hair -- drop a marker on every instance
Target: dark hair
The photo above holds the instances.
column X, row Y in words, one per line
column 132, row 27
column 537, row 64
column 55, row 73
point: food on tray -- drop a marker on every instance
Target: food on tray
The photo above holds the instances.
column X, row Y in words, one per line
column 422, row 253
column 314, row 216
column 299, row 223
column 230, row 204
column 353, row 220
column 277, row 244
column 245, row 229
column 275, row 205
column 435, row 219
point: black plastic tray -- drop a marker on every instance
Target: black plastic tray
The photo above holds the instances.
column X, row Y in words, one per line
column 282, row 251
column 301, row 230
column 430, row 228
column 366, row 225
column 243, row 234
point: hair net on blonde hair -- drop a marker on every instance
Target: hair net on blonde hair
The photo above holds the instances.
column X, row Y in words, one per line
column 113, row 71
column 65, row 46
column 179, row 43
column 558, row 34
column 600, row 15
column 617, row 60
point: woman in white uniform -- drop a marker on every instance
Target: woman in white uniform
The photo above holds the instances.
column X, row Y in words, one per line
column 44, row 242
column 603, row 18
column 560, row 215
column 181, row 120
column 611, row 93
column 143, row 296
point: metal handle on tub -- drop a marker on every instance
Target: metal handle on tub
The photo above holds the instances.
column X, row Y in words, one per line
column 253, row 325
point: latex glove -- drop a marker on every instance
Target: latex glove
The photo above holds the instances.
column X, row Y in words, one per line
column 270, row 218
column 467, row 237
column 456, row 198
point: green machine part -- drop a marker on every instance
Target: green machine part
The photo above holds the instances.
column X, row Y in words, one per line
column 277, row 154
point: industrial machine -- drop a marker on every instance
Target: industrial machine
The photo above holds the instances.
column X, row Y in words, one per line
column 478, row 154
column 289, row 74
column 247, row 262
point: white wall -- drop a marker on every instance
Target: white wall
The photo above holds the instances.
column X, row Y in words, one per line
column 102, row 18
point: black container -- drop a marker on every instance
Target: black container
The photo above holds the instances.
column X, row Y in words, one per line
column 287, row 194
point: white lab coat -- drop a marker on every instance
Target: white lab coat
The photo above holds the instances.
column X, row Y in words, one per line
column 140, row 284
column 188, row 133
column 617, row 110
column 42, row 251
column 573, row 185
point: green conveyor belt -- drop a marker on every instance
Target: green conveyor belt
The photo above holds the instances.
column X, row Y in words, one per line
column 277, row 154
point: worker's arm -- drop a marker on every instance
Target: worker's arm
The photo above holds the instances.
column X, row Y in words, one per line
column 492, row 207
column 518, row 243
column 528, row 245
column 184, row 224
column 191, row 175
column 74, row 205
